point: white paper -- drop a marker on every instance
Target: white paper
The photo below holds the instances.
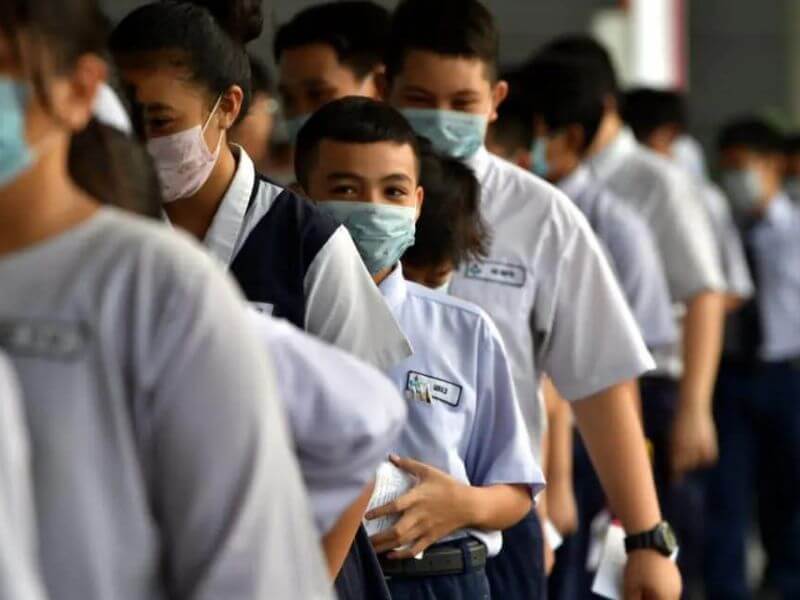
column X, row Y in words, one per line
column 390, row 484
column 597, row 538
column 608, row 582
column 552, row 535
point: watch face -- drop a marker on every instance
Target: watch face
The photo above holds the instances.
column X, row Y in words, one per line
column 666, row 537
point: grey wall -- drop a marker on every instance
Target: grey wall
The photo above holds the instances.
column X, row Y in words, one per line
column 745, row 54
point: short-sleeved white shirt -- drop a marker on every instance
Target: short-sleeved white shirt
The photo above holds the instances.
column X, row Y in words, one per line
column 463, row 416
column 549, row 289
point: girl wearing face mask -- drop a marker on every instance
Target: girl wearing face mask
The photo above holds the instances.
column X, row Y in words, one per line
column 112, row 325
column 189, row 76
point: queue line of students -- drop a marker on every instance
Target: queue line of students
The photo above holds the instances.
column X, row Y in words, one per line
column 210, row 448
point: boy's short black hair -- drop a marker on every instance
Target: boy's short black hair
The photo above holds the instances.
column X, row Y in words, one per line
column 647, row 109
column 355, row 29
column 263, row 83
column 463, row 28
column 592, row 56
column 513, row 129
column 564, row 92
column 791, row 144
column 353, row 120
column 450, row 226
column 753, row 133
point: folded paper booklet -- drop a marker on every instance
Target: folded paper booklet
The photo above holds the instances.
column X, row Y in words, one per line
column 390, row 484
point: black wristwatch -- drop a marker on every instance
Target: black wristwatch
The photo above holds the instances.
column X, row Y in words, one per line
column 661, row 539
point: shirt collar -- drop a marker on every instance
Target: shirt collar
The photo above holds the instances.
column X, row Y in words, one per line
column 574, row 184
column 394, row 288
column 479, row 162
column 223, row 235
column 605, row 162
column 779, row 211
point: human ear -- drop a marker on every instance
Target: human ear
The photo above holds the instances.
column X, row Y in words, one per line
column 73, row 97
column 499, row 94
column 230, row 105
column 420, row 200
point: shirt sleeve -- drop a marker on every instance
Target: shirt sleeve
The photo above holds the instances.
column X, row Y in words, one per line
column 592, row 341
column 641, row 275
column 19, row 573
column 499, row 450
column 343, row 414
column 226, row 489
column 345, row 308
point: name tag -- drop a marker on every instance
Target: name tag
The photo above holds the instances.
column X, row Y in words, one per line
column 48, row 339
column 263, row 307
column 496, row 272
column 427, row 389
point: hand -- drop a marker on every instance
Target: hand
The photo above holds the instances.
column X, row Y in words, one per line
column 562, row 508
column 549, row 558
column 430, row 511
column 651, row 576
column 694, row 441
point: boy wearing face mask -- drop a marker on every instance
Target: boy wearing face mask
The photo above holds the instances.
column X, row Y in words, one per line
column 465, row 441
column 757, row 401
column 546, row 284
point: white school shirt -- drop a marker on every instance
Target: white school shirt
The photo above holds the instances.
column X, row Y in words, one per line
column 295, row 262
column 633, row 255
column 664, row 195
column 549, row 289
column 344, row 415
column 163, row 467
column 19, row 572
column 463, row 416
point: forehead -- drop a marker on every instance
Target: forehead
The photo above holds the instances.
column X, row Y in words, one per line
column 738, row 154
column 425, row 69
column 165, row 83
column 370, row 160
column 311, row 62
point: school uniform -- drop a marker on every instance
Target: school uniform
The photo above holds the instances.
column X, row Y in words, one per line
column 296, row 263
column 667, row 198
column 162, row 461
column 463, row 419
column 19, row 572
column 757, row 410
column 344, row 415
column 552, row 294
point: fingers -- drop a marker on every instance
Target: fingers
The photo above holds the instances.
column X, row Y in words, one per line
column 409, row 465
column 419, row 546
column 401, row 504
column 406, row 530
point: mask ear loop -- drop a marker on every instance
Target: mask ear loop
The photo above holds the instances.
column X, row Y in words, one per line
column 208, row 122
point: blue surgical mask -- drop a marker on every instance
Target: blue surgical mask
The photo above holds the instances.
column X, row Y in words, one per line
column 16, row 156
column 455, row 134
column 539, row 164
column 382, row 232
column 744, row 190
column 294, row 125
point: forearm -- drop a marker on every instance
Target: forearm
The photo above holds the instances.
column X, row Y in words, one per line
column 702, row 344
column 613, row 435
column 559, row 460
column 495, row 506
column 336, row 543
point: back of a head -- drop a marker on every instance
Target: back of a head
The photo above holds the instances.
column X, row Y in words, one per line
column 355, row 120
column 450, row 226
column 207, row 37
column 459, row 28
column 752, row 133
column 262, row 81
column 356, row 30
column 513, row 129
column 647, row 109
column 791, row 145
column 564, row 92
column 590, row 55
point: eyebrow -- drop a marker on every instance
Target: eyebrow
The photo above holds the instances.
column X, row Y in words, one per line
column 343, row 175
column 397, row 177
column 155, row 107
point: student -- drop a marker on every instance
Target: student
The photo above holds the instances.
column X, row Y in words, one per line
column 545, row 284
column 289, row 259
column 658, row 119
column 756, row 401
column 19, row 572
column 791, row 177
column 465, row 441
column 663, row 195
column 254, row 132
column 510, row 136
column 162, row 463
column 330, row 51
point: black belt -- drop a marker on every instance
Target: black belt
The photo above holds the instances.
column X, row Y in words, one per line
column 442, row 559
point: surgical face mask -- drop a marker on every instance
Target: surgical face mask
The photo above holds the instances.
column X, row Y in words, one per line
column 183, row 161
column 744, row 190
column 455, row 134
column 294, row 125
column 16, row 156
column 539, row 164
column 382, row 232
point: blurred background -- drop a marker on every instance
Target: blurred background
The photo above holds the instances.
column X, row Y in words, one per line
column 732, row 56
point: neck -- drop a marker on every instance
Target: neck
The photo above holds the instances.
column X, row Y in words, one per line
column 381, row 276
column 609, row 128
column 42, row 202
column 196, row 213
